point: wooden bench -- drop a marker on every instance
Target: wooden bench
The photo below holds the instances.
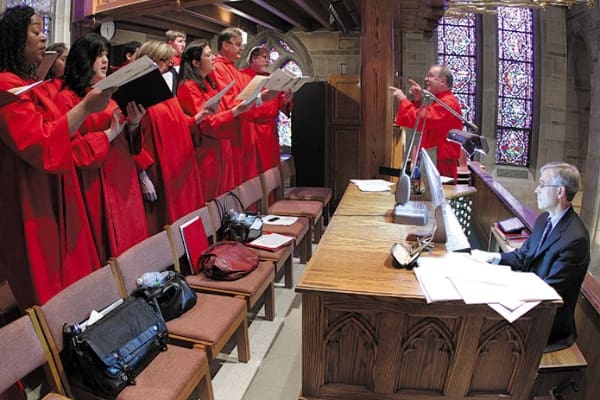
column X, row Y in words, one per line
column 559, row 372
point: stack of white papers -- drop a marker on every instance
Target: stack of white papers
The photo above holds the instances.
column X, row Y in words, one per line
column 372, row 185
column 271, row 241
column 458, row 276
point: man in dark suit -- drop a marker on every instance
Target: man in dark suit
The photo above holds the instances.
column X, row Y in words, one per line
column 558, row 249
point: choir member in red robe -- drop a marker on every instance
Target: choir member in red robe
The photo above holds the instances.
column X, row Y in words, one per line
column 438, row 120
column 45, row 239
column 107, row 172
column 176, row 39
column 261, row 123
column 213, row 146
column 230, row 47
column 54, row 78
column 171, row 182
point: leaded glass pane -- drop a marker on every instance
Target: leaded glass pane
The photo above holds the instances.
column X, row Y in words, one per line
column 273, row 55
column 44, row 7
column 284, row 129
column 515, row 86
column 512, row 147
column 457, row 49
column 285, row 46
column 293, row 67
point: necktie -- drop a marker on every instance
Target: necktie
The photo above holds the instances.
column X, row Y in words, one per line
column 545, row 234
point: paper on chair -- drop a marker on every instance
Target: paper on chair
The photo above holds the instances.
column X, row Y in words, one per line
column 271, row 241
column 279, row 220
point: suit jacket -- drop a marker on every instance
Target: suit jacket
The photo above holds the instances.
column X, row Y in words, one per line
column 561, row 262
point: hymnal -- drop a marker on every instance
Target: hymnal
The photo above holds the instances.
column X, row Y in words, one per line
column 252, row 89
column 46, row 64
column 511, row 225
column 283, row 79
column 12, row 95
column 213, row 102
column 194, row 241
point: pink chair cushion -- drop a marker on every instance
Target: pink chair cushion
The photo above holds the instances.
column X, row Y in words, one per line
column 311, row 209
column 298, row 229
column 321, row 194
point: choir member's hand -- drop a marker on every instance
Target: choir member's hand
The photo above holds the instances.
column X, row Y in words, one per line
column 148, row 190
column 267, row 95
column 242, row 107
column 200, row 115
column 397, row 93
column 135, row 112
column 416, row 91
column 485, row 256
column 288, row 95
column 96, row 100
column 116, row 125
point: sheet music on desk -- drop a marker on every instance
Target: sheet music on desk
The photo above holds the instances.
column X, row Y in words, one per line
column 457, row 276
column 372, row 185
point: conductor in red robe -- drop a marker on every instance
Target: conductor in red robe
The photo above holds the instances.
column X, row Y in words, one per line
column 45, row 238
column 438, row 121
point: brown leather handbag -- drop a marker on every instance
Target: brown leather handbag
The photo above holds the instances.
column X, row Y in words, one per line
column 227, row 261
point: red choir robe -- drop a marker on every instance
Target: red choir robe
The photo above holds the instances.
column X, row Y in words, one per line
column 439, row 122
column 46, row 241
column 109, row 181
column 169, row 158
column 225, row 72
column 52, row 87
column 213, row 139
column 261, row 122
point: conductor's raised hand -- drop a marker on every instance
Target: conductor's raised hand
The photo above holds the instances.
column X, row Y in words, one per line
column 397, row 93
column 416, row 91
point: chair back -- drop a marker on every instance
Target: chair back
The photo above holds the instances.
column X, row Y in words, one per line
column 251, row 194
column 176, row 238
column 271, row 182
column 75, row 302
column 288, row 171
column 153, row 254
column 23, row 349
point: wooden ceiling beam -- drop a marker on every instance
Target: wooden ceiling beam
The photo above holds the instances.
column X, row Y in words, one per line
column 151, row 21
column 315, row 10
column 285, row 12
column 258, row 16
column 184, row 18
column 220, row 16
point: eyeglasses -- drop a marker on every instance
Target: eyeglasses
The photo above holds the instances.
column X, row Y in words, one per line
column 542, row 185
column 240, row 45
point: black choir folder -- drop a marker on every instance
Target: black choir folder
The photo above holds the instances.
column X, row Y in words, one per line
column 139, row 81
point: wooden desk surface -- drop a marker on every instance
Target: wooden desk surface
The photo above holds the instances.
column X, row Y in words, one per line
column 354, row 254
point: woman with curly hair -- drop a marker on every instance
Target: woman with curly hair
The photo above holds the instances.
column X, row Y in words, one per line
column 45, row 239
column 54, row 78
column 106, row 170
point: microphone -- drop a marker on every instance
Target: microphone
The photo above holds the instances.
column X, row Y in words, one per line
column 430, row 96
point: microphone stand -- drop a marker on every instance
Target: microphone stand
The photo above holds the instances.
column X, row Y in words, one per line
column 428, row 95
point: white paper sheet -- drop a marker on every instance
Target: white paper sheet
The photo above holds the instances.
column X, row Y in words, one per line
column 372, row 185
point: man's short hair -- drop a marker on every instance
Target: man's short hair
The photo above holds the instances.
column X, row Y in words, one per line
column 226, row 35
column 171, row 35
column 131, row 47
column 446, row 73
column 564, row 174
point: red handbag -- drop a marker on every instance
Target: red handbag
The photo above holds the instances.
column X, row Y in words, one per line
column 227, row 261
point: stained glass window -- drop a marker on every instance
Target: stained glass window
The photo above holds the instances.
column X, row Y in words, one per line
column 285, row 46
column 515, row 86
column 44, row 7
column 457, row 49
column 293, row 67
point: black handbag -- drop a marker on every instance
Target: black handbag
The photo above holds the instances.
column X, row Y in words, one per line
column 110, row 353
column 240, row 227
column 173, row 297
